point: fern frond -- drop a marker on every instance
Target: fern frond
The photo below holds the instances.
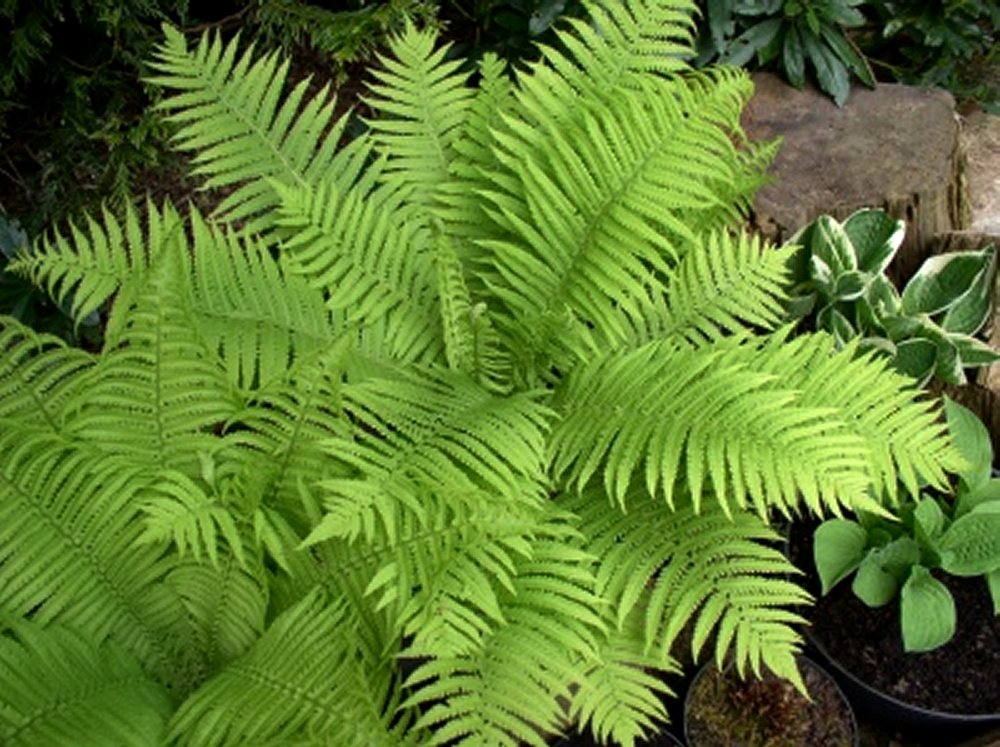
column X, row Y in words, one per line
column 725, row 285
column 68, row 531
column 471, row 344
column 620, row 697
column 906, row 438
column 511, row 690
column 290, row 684
column 60, row 688
column 431, row 431
column 156, row 395
column 673, row 568
column 371, row 263
column 232, row 115
column 708, row 415
column 84, row 270
column 597, row 209
column 38, row 375
column 260, row 319
column 421, row 99
column 225, row 605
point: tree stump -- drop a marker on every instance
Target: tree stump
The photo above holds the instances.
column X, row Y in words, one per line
column 895, row 147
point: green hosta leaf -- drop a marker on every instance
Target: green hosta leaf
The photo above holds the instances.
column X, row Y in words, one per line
column 970, row 437
column 916, row 358
column 850, row 285
column 883, row 297
column 832, row 245
column 973, row 352
column 833, row 321
column 930, row 519
column 838, row 549
column 971, row 546
column 941, row 281
column 822, row 277
column 876, row 237
column 949, row 364
column 831, row 72
column 873, row 585
column 884, row 568
column 993, row 583
column 969, row 499
column 927, row 611
column 972, row 309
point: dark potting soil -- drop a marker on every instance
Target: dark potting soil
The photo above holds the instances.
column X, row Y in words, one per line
column 724, row 711
column 961, row 677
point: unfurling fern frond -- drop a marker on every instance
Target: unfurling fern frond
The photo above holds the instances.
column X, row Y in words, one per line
column 62, row 688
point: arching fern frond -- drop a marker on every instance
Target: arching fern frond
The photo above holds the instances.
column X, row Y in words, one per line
column 906, row 438
column 259, row 318
column 436, row 431
column 570, row 192
column 157, row 394
column 725, row 285
column 711, row 416
column 87, row 268
column 421, row 99
column 511, row 690
column 60, row 688
column 619, row 699
column 720, row 573
column 372, row 264
column 38, row 375
column 68, row 540
column 233, row 115
column 292, row 683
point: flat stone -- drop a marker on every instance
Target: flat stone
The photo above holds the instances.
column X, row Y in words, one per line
column 895, row 147
column 981, row 141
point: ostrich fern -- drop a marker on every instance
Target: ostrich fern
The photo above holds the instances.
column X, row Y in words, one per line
column 444, row 433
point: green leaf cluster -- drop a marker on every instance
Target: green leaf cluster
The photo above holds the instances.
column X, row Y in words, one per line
column 440, row 435
column 955, row 533
column 789, row 33
column 928, row 330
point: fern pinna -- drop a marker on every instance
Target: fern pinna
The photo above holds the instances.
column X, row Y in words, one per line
column 441, row 435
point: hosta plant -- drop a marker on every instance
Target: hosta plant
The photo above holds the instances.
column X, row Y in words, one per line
column 928, row 329
column 440, row 435
column 955, row 533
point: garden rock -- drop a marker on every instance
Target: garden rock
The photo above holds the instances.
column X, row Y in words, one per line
column 895, row 147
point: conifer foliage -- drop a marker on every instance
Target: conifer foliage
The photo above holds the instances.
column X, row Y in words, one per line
column 440, row 435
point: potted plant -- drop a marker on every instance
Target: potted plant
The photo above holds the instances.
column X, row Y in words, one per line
column 936, row 560
column 723, row 709
column 440, row 435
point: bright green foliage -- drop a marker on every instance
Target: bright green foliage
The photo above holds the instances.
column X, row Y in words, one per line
column 441, row 436
column 958, row 534
column 929, row 329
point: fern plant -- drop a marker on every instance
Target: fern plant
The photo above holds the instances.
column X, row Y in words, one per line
column 443, row 435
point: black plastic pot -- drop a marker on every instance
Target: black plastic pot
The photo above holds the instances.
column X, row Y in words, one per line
column 931, row 727
column 812, row 671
